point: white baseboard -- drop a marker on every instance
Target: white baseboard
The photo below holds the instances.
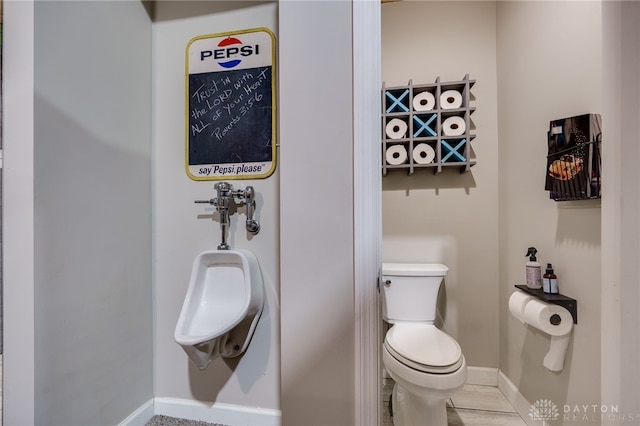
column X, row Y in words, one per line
column 227, row 414
column 484, row 376
column 513, row 395
column 141, row 416
column 236, row 415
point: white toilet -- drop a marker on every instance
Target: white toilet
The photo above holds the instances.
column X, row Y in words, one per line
column 427, row 364
column 222, row 307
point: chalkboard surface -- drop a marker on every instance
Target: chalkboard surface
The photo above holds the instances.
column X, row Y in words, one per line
column 230, row 123
column 228, row 108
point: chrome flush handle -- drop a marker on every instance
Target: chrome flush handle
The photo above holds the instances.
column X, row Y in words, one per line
column 224, row 194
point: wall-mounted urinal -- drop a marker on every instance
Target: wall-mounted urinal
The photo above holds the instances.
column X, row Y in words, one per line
column 222, row 307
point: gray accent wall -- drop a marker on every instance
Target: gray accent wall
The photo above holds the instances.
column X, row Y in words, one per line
column 316, row 214
column 92, row 200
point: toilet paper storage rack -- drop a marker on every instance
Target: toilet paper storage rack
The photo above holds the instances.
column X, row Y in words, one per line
column 428, row 120
column 568, row 303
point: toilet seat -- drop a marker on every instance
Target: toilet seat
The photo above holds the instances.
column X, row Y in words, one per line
column 424, row 347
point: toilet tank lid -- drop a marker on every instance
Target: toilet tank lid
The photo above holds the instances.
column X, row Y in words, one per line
column 415, row 269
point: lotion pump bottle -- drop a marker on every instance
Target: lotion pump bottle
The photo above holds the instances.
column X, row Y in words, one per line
column 550, row 283
column 533, row 270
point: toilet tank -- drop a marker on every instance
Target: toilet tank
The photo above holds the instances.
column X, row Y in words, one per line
column 410, row 291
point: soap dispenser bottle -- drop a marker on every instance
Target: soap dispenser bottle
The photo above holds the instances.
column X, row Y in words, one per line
column 550, row 282
column 533, row 270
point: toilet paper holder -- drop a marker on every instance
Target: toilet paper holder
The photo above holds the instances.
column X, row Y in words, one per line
column 568, row 303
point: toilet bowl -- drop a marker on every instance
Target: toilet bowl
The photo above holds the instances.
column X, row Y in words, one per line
column 427, row 365
column 222, row 307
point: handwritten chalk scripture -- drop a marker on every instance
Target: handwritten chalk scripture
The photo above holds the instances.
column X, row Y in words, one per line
column 230, row 106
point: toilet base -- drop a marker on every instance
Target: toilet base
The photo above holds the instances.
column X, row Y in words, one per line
column 411, row 410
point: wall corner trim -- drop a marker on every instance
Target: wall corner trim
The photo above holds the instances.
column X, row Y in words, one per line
column 140, row 416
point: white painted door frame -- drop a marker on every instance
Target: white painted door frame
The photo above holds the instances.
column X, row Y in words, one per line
column 367, row 182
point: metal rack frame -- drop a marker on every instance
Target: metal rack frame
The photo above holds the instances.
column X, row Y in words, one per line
column 451, row 151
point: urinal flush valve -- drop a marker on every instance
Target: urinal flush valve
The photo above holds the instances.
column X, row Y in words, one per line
column 224, row 194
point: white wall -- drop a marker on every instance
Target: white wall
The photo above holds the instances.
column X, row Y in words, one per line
column 549, row 66
column 450, row 218
column 306, row 213
column 87, row 306
column 183, row 229
column 620, row 349
column 18, row 214
column 316, row 215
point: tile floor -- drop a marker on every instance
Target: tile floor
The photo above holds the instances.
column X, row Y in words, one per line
column 473, row 405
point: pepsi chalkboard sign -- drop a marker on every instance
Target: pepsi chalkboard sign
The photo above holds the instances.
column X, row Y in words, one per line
column 230, row 106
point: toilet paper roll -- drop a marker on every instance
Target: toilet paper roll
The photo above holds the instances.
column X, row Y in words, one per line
column 423, row 153
column 396, row 129
column 554, row 359
column 517, row 302
column 450, row 99
column 551, row 319
column 454, row 126
column 396, row 154
column 424, row 101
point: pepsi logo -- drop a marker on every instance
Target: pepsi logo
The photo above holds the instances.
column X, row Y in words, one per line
column 231, row 41
column 230, row 52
